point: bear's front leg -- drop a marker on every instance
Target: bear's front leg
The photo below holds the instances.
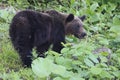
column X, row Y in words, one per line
column 57, row 47
column 41, row 49
column 26, row 58
column 57, row 44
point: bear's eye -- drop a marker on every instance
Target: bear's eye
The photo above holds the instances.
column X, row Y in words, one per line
column 78, row 26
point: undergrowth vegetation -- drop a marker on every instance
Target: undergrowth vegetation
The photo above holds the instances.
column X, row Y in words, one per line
column 97, row 57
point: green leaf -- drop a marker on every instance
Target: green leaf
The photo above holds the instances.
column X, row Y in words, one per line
column 95, row 17
column 111, row 7
column 88, row 62
column 54, row 53
column 64, row 61
column 69, row 39
column 115, row 29
column 106, row 74
column 105, row 53
column 40, row 67
column 116, row 21
column 116, row 25
column 4, row 14
column 104, row 64
column 76, row 77
column 2, row 20
column 60, row 60
column 103, row 40
column 57, row 78
column 103, row 59
column 117, row 73
column 43, row 67
column 93, row 58
column 64, row 50
column 58, row 69
column 95, row 70
column 72, row 2
column 94, row 6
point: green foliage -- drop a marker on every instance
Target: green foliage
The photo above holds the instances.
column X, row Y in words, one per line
column 77, row 60
column 42, row 70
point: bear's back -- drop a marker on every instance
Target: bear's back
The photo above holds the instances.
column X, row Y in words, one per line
column 33, row 18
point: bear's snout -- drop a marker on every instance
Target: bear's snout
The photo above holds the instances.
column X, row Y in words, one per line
column 80, row 36
column 83, row 34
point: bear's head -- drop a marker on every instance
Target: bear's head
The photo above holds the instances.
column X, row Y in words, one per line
column 74, row 25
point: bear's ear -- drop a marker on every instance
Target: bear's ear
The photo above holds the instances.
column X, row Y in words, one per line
column 69, row 18
column 82, row 17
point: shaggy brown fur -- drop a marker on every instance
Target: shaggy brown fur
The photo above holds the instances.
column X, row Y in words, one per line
column 30, row 29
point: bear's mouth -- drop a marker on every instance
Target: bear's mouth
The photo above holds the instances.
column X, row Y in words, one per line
column 80, row 36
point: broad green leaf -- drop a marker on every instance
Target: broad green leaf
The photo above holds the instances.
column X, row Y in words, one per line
column 116, row 21
column 116, row 25
column 104, row 53
column 67, row 74
column 88, row 62
column 103, row 59
column 104, row 64
column 76, row 62
column 64, row 61
column 66, row 45
column 54, row 53
column 118, row 51
column 76, row 77
column 64, row 50
column 72, row 1
column 4, row 14
column 95, row 17
column 69, row 39
column 58, row 78
column 115, row 28
column 94, row 6
column 112, row 7
column 95, row 70
column 117, row 73
column 119, row 60
column 43, row 67
column 105, row 74
column 40, row 67
column 103, row 40
column 60, row 60
column 58, row 69
column 2, row 20
column 93, row 58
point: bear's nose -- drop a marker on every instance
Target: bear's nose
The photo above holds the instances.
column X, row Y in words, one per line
column 83, row 34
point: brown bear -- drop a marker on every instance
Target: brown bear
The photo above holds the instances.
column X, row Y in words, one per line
column 30, row 29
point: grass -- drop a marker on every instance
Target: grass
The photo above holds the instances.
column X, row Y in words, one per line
column 11, row 67
column 10, row 64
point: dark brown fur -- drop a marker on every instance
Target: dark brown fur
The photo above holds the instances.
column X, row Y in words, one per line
column 30, row 29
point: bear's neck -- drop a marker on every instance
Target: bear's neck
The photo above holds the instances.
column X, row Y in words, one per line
column 58, row 15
